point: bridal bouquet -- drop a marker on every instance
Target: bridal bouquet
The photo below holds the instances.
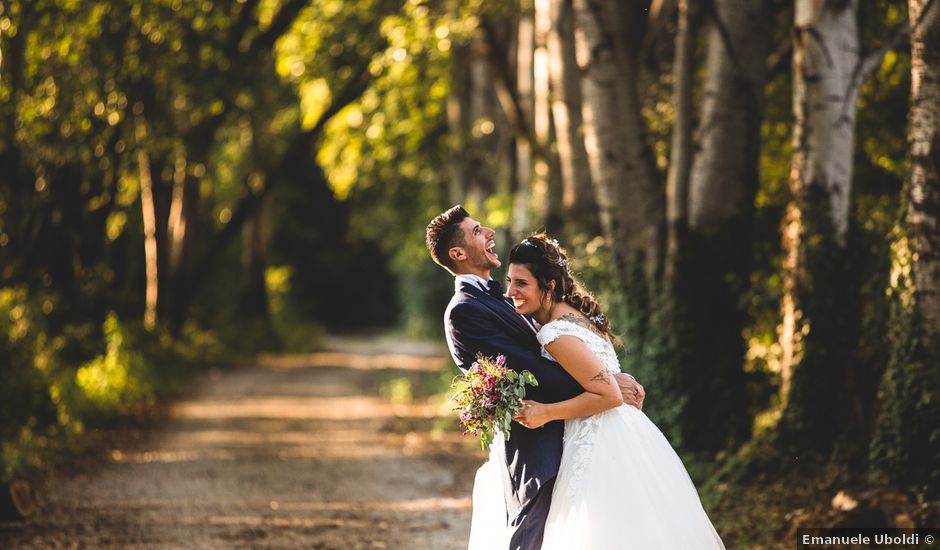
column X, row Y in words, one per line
column 488, row 396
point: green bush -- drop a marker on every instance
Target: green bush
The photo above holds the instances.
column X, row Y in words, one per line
column 117, row 381
column 61, row 378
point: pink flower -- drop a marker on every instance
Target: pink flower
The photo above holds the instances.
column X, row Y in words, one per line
column 485, row 397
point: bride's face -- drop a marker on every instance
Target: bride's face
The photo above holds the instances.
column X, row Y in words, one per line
column 523, row 290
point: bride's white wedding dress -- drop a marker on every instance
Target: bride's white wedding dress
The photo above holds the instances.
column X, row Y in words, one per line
column 620, row 484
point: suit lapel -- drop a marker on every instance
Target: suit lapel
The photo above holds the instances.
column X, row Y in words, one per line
column 501, row 308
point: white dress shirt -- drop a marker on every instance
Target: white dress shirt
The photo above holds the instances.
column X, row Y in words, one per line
column 476, row 280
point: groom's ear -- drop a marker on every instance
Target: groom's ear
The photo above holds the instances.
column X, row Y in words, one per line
column 456, row 254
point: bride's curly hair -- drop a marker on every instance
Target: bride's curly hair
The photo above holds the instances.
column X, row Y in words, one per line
column 547, row 261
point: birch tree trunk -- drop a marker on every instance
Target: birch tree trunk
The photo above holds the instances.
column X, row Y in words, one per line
column 622, row 169
column 477, row 163
column 149, row 217
column 923, row 214
column 817, row 327
column 629, row 197
column 546, row 183
column 724, row 176
column 711, row 209
column 183, row 226
column 680, row 162
column 906, row 445
column 458, row 106
column 525, row 88
column 578, row 201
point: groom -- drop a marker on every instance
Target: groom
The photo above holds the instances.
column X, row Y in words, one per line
column 480, row 320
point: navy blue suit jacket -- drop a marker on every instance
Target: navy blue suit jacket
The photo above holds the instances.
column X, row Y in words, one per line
column 476, row 322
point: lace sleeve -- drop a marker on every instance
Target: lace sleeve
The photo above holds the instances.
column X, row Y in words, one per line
column 560, row 327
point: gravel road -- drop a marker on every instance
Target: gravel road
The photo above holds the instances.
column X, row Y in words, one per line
column 322, row 451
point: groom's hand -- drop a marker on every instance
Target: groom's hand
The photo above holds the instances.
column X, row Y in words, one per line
column 532, row 414
column 633, row 392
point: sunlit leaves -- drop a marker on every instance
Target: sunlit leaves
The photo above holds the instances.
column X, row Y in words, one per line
column 384, row 138
column 118, row 378
column 314, row 97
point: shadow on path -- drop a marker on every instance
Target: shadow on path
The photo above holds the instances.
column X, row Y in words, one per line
column 296, row 452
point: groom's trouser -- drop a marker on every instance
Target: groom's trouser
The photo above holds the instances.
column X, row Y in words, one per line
column 530, row 523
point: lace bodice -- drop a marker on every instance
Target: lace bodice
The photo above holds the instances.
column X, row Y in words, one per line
column 565, row 326
column 580, row 433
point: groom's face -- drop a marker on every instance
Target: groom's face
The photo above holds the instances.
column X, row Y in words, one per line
column 477, row 251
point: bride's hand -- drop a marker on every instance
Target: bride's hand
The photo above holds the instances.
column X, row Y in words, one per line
column 532, row 414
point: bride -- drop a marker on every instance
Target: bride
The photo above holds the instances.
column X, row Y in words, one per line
column 620, row 484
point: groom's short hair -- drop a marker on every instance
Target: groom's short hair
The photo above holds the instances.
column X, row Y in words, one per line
column 444, row 233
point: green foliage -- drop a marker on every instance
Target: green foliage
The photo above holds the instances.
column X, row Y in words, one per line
column 296, row 334
column 25, row 366
column 35, row 415
column 386, row 154
column 905, row 448
column 119, row 379
column 88, row 88
column 58, row 383
column 859, row 327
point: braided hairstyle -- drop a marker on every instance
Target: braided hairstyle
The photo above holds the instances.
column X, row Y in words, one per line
column 548, row 262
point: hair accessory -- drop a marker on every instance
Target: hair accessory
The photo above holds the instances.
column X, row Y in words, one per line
column 554, row 243
column 599, row 319
column 561, row 261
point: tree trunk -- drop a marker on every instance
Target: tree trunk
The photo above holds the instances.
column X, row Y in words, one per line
column 906, row 445
column 525, row 88
column 818, row 307
column 924, row 197
column 680, row 161
column 580, row 207
column 629, row 197
column 546, row 183
column 184, row 224
column 254, row 296
column 724, row 176
column 710, row 240
column 149, row 216
column 486, row 134
column 458, row 107
column 471, row 112
column 622, row 167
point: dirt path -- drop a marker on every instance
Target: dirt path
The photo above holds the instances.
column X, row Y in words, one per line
column 298, row 452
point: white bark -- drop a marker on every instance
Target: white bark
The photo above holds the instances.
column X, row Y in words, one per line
column 726, row 166
column 923, row 213
column 541, row 117
column 825, row 57
column 149, row 216
column 457, row 107
column 577, row 197
column 629, row 201
column 525, row 53
column 826, row 54
column 177, row 221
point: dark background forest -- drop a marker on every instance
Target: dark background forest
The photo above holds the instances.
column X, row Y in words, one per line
column 751, row 187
